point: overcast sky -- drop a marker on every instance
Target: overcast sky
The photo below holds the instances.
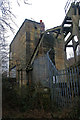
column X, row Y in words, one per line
column 50, row 11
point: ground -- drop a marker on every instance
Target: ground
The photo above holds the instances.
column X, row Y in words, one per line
column 32, row 102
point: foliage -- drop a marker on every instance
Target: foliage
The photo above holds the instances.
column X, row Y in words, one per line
column 23, row 99
column 30, row 98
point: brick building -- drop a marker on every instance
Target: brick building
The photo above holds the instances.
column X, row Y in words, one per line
column 23, row 48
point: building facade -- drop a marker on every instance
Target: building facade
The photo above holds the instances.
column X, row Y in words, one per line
column 24, row 46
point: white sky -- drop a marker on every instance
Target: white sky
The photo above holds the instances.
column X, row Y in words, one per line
column 50, row 11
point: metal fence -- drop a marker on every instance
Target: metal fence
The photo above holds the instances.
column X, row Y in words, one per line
column 64, row 84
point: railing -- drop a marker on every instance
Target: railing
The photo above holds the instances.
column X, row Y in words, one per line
column 68, row 84
column 68, row 4
column 64, row 84
column 55, row 71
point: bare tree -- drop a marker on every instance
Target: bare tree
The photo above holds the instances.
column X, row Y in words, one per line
column 6, row 25
column 25, row 1
column 5, row 18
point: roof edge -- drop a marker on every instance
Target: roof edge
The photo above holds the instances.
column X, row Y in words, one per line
column 21, row 27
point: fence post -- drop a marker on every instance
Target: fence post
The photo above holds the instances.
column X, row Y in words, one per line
column 60, row 76
column 51, row 83
column 64, row 87
column 75, row 71
column 78, row 79
column 71, row 85
column 58, row 90
column 74, row 92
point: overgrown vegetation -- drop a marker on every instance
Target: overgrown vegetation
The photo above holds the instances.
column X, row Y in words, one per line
column 71, row 111
column 23, row 99
column 34, row 102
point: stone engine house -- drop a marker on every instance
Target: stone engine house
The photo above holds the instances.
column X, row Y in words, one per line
column 26, row 46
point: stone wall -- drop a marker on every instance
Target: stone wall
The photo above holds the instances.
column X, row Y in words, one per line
column 40, row 72
column 22, row 48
